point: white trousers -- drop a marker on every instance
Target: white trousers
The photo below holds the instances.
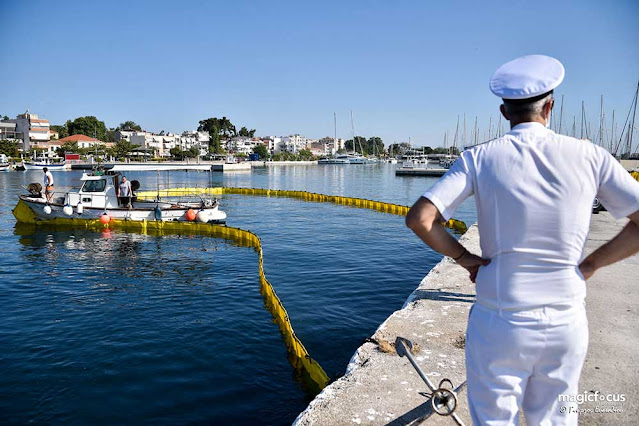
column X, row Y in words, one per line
column 524, row 359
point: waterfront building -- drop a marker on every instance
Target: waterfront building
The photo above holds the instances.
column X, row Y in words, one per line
column 8, row 131
column 271, row 142
column 242, row 145
column 33, row 131
column 191, row 138
column 292, row 143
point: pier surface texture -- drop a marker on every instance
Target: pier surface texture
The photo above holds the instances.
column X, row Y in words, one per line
column 380, row 388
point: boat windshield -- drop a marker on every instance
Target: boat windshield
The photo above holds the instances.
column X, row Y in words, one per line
column 94, row 186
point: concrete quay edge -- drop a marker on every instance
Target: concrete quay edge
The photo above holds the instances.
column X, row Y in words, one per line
column 380, row 388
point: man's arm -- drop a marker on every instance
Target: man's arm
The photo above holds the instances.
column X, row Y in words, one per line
column 624, row 245
column 425, row 221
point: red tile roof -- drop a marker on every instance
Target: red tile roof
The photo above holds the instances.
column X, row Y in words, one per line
column 78, row 138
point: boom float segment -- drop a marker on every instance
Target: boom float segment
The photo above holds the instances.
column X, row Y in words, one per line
column 310, row 371
column 379, row 206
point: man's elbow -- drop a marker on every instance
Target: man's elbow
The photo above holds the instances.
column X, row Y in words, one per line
column 421, row 216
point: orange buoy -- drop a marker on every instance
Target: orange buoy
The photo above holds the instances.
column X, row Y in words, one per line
column 190, row 215
column 105, row 218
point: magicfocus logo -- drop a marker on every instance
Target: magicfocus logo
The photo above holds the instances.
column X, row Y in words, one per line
column 603, row 403
column 580, row 398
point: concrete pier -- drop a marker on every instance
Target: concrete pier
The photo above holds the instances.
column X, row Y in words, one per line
column 231, row 167
column 380, row 388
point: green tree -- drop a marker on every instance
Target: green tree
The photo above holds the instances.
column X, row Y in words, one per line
column 398, row 148
column 89, row 126
column 69, row 147
column 122, row 148
column 305, row 154
column 110, row 135
column 221, row 126
column 215, row 144
column 375, row 146
column 176, row 153
column 62, row 130
column 192, row 152
column 261, row 150
column 129, row 125
column 9, row 148
column 4, row 117
column 246, row 133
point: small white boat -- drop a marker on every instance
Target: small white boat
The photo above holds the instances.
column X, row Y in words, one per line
column 41, row 163
column 339, row 159
column 5, row 167
column 98, row 195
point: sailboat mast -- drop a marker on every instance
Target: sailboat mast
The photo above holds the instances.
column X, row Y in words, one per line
column 353, row 132
column 464, row 141
column 335, row 148
column 612, row 131
column 456, row 133
column 601, row 122
column 581, row 133
column 561, row 113
column 490, row 127
column 631, row 131
column 476, row 132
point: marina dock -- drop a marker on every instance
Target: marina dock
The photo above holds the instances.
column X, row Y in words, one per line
column 420, row 171
column 380, row 388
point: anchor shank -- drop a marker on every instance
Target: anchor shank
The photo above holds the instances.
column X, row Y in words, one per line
column 419, row 370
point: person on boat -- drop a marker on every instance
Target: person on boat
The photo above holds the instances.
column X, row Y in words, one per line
column 527, row 334
column 125, row 192
column 48, row 184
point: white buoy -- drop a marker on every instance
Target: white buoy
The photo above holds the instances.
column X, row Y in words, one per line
column 202, row 216
column 47, row 209
column 79, row 208
column 68, row 210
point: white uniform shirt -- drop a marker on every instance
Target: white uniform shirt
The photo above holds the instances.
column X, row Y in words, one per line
column 534, row 191
column 48, row 178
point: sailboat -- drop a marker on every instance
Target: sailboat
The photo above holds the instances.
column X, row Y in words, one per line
column 355, row 157
column 335, row 159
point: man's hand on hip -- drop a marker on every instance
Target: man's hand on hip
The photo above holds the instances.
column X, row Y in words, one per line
column 471, row 263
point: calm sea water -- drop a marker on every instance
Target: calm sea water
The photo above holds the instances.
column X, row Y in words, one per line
column 117, row 327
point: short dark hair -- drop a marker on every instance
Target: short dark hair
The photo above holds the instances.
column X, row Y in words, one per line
column 44, row 169
column 526, row 107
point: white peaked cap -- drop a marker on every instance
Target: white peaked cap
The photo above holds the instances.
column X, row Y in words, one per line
column 527, row 77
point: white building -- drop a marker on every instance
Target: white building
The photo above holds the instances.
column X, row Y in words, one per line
column 192, row 138
column 242, row 145
column 331, row 145
column 292, row 143
column 33, row 131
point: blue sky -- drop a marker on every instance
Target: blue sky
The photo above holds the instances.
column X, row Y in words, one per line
column 405, row 68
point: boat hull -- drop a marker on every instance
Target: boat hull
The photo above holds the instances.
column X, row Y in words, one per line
column 39, row 166
column 207, row 214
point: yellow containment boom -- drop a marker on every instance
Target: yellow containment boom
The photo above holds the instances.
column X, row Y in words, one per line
column 379, row 206
column 310, row 371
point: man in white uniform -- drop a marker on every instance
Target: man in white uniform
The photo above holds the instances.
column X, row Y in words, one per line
column 527, row 333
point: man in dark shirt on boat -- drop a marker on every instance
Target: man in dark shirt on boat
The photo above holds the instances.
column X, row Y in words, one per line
column 125, row 193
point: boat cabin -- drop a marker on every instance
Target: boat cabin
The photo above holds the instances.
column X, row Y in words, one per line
column 96, row 191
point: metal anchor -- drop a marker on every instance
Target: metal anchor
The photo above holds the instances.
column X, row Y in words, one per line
column 443, row 398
